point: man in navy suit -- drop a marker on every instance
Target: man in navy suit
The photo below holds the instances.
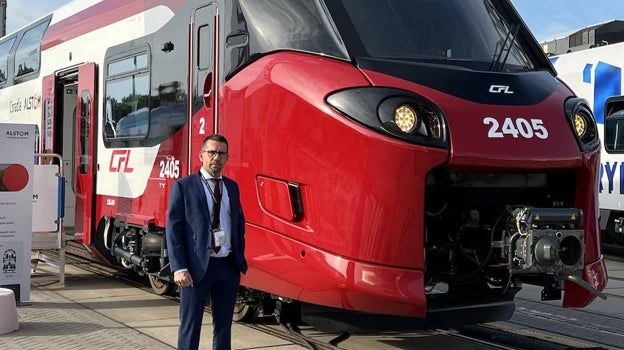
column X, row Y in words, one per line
column 206, row 246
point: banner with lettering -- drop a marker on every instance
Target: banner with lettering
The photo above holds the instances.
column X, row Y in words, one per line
column 17, row 143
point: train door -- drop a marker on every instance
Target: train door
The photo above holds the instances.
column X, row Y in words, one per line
column 67, row 111
column 57, row 136
column 84, row 150
column 203, row 106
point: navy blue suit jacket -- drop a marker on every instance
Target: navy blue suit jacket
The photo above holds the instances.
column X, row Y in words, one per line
column 189, row 229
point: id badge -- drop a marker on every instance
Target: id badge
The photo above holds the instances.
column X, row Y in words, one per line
column 218, row 237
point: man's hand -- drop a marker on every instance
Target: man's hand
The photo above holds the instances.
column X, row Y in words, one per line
column 183, row 279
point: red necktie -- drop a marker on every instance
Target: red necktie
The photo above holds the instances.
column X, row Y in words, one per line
column 216, row 210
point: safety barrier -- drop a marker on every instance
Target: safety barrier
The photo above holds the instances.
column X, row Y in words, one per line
column 48, row 213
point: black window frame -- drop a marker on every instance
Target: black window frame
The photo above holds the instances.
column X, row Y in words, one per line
column 5, row 57
column 35, row 44
column 117, row 76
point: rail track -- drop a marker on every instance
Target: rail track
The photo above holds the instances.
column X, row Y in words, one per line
column 472, row 337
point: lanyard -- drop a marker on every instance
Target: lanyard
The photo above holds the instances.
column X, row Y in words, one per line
column 218, row 202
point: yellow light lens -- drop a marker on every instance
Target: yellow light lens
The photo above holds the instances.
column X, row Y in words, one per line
column 580, row 125
column 405, row 118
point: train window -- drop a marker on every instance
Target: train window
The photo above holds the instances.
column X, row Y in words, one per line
column 127, row 98
column 614, row 132
column 291, row 25
column 140, row 109
column 204, row 48
column 85, row 120
column 28, row 53
column 5, row 48
column 128, row 65
column 488, row 39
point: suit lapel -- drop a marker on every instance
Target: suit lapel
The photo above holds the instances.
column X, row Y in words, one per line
column 198, row 187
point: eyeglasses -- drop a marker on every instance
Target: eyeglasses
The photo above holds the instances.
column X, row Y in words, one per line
column 220, row 154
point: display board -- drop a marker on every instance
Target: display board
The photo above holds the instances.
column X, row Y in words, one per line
column 16, row 202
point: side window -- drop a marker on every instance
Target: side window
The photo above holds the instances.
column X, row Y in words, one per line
column 127, row 97
column 28, row 53
column 85, row 120
column 614, row 133
column 5, row 48
column 204, row 48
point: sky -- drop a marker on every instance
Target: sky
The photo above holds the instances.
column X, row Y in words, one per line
column 546, row 18
column 22, row 12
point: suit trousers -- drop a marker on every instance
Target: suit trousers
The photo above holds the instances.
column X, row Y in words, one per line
column 220, row 284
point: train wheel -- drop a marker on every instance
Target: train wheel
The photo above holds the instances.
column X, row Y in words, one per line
column 246, row 308
column 161, row 287
column 245, row 312
column 287, row 313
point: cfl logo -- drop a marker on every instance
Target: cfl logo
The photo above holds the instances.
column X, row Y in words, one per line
column 500, row 89
column 120, row 162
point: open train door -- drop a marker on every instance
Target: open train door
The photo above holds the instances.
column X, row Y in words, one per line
column 57, row 133
column 84, row 155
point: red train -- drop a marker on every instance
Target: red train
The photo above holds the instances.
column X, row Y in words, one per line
column 399, row 160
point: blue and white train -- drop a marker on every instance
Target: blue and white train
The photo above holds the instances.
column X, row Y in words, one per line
column 596, row 75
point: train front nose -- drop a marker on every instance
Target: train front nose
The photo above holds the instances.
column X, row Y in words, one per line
column 508, row 160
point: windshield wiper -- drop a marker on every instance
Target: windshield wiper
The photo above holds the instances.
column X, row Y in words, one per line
column 500, row 58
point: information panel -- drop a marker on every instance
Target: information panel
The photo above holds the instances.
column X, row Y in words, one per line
column 16, row 200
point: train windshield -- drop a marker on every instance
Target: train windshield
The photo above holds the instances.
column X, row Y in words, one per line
column 470, row 33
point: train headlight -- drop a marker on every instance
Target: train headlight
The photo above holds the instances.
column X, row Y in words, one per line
column 405, row 118
column 582, row 123
column 397, row 113
column 412, row 119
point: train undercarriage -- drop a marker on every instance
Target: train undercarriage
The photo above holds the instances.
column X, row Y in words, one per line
column 485, row 235
column 492, row 232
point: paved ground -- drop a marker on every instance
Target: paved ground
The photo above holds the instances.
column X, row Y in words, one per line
column 93, row 312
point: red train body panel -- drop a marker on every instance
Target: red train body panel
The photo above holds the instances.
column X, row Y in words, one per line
column 381, row 182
